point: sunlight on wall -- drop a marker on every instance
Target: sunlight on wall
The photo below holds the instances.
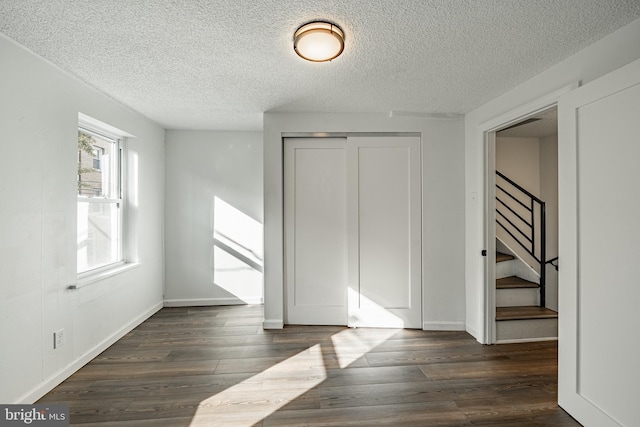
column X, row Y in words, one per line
column 238, row 230
column 281, row 384
column 235, row 276
column 237, row 252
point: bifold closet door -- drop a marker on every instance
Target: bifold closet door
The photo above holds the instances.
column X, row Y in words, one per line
column 316, row 231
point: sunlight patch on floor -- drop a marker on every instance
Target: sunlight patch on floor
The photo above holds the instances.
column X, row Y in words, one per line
column 281, row 384
column 255, row 398
column 351, row 344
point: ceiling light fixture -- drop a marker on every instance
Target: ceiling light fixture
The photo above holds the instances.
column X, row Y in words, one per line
column 318, row 41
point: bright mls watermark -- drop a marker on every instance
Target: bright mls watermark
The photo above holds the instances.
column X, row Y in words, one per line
column 54, row 415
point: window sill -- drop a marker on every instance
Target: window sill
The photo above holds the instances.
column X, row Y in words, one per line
column 91, row 278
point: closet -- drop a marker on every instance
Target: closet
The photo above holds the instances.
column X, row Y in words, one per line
column 353, row 231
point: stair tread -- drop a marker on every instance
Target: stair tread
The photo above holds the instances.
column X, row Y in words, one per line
column 515, row 282
column 500, row 257
column 525, row 312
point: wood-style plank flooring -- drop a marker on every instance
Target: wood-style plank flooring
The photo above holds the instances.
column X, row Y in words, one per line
column 216, row 366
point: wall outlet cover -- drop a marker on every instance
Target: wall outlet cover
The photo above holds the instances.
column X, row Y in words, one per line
column 58, row 339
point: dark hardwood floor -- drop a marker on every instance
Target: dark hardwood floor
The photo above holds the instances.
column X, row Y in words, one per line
column 216, row 366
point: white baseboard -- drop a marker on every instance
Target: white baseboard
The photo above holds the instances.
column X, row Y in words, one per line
column 474, row 333
column 200, row 302
column 273, row 324
column 443, row 326
column 521, row 340
column 49, row 383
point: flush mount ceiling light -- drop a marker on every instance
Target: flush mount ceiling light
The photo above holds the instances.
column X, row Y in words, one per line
column 318, row 41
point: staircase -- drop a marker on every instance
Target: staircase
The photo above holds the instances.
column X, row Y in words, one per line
column 519, row 316
column 521, row 263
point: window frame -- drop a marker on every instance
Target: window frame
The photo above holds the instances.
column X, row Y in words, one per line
column 120, row 141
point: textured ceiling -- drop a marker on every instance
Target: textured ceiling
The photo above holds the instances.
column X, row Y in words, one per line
column 197, row 64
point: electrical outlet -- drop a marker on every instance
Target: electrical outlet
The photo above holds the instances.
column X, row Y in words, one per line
column 58, row 338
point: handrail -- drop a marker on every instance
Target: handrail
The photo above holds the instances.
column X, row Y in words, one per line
column 519, row 187
column 527, row 227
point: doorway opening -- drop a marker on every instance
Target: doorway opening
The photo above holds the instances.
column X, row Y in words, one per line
column 522, row 228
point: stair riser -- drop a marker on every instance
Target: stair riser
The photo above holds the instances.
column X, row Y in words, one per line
column 532, row 329
column 505, row 269
column 517, row 297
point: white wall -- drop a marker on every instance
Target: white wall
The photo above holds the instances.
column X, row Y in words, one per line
column 519, row 159
column 39, row 110
column 213, row 214
column 443, row 206
column 610, row 53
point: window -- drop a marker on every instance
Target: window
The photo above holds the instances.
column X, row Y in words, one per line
column 97, row 158
column 100, row 199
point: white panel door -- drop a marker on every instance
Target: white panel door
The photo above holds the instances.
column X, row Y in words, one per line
column 384, row 232
column 315, row 231
column 599, row 154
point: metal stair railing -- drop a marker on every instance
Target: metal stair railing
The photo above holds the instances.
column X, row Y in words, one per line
column 516, row 212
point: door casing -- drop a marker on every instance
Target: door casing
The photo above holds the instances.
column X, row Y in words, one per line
column 489, row 129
